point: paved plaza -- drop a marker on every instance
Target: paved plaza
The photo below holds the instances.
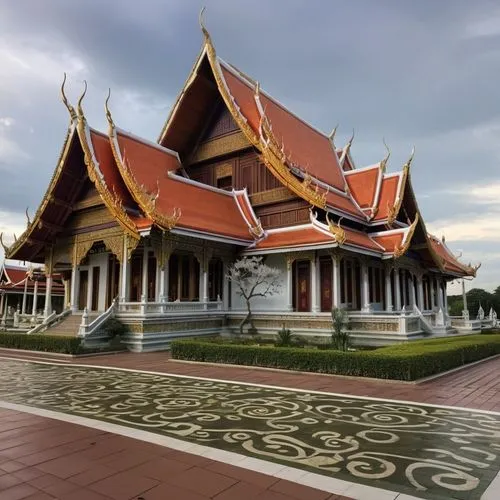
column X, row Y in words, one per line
column 228, row 432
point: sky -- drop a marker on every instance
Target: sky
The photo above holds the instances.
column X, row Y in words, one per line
column 415, row 73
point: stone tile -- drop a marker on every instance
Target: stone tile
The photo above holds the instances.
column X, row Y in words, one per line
column 123, row 485
column 202, row 481
column 28, row 473
column 258, row 479
column 92, row 475
column 298, row 491
column 8, row 481
column 65, row 467
column 160, row 468
column 19, row 492
column 85, row 494
column 124, row 460
column 40, row 495
column 169, row 491
column 242, row 491
column 12, row 466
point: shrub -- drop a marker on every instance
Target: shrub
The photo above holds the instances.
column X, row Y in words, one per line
column 409, row 361
column 285, row 338
column 114, row 327
column 45, row 343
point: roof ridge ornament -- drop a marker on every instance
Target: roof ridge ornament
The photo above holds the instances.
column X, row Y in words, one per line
column 79, row 108
column 383, row 163
column 4, row 246
column 337, row 231
column 204, row 30
column 65, row 101
column 332, row 134
column 28, row 220
column 408, row 163
column 400, row 250
column 108, row 113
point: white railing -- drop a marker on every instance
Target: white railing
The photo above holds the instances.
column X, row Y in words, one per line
column 88, row 328
column 424, row 321
column 145, row 308
column 48, row 321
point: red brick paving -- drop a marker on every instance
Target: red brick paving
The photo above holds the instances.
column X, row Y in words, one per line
column 41, row 458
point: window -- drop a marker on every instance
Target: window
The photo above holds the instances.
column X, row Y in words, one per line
column 225, row 183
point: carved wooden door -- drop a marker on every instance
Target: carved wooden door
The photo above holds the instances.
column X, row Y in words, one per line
column 95, row 288
column 303, row 285
column 82, row 290
column 326, row 289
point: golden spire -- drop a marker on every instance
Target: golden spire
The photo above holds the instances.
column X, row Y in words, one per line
column 410, row 159
column 108, row 112
column 65, row 101
column 349, row 144
column 333, row 132
column 79, row 104
column 383, row 163
column 204, row 30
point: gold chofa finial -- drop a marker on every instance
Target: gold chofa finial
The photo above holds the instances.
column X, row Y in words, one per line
column 383, row 163
column 79, row 105
column 333, row 132
column 410, row 159
column 65, row 101
column 204, row 30
column 349, row 144
column 108, row 112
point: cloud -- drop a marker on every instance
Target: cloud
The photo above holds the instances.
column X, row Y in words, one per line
column 485, row 27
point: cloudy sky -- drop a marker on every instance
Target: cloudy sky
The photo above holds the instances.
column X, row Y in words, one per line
column 423, row 73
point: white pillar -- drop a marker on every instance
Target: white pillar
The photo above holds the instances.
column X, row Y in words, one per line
column 445, row 297
column 74, row 305
column 465, row 311
column 225, row 284
column 23, row 309
column 90, row 285
column 439, row 291
column 205, row 283
column 48, row 296
column 420, row 288
column 35, row 298
column 314, row 285
column 124, row 273
column 397, row 289
column 365, row 288
column 336, row 281
column 164, row 277
column 289, row 283
column 411, row 283
column 144, row 292
column 388, row 290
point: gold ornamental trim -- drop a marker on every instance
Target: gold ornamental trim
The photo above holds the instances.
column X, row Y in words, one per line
column 400, row 250
column 271, row 196
column 220, row 146
column 337, row 231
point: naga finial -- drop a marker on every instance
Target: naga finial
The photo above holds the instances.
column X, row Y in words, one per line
column 410, row 159
column 257, row 89
column 65, row 101
column 4, row 246
column 349, row 144
column 383, row 163
column 108, row 112
column 333, row 132
column 204, row 30
column 79, row 105
column 336, row 230
column 443, row 239
column 28, row 221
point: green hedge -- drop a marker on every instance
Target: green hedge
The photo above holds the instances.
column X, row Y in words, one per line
column 409, row 361
column 45, row 343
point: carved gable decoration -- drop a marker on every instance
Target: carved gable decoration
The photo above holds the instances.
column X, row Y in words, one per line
column 222, row 124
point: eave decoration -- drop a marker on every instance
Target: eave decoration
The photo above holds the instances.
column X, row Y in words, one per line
column 145, row 200
column 400, row 250
column 336, row 230
column 111, row 200
column 394, row 210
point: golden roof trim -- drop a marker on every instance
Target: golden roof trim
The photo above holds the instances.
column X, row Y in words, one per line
column 337, row 231
column 394, row 210
column 400, row 250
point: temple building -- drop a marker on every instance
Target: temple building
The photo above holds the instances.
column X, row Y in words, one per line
column 145, row 231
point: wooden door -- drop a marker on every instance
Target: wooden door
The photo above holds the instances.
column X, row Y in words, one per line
column 95, row 288
column 82, row 290
column 326, row 282
column 303, row 285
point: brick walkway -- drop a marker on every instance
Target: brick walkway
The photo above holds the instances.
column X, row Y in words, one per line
column 41, row 458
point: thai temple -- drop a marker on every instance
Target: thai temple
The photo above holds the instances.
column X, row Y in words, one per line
column 145, row 231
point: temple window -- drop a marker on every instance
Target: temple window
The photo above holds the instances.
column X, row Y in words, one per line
column 215, row 279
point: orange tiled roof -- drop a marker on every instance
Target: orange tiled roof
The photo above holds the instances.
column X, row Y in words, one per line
column 448, row 261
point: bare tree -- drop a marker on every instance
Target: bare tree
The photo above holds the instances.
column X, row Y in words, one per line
column 253, row 278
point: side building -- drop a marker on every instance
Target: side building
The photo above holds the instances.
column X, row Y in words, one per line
column 146, row 231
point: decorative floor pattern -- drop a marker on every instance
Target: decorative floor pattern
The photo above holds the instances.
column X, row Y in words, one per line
column 429, row 452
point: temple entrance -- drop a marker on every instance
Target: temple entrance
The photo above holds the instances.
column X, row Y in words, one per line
column 83, row 289
column 184, row 278
column 95, row 289
column 326, row 283
column 112, row 288
column 302, row 285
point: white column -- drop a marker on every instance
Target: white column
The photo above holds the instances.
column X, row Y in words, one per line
column 465, row 311
column 365, row 288
column 205, row 283
column 48, row 296
column 23, row 309
column 144, row 291
column 314, row 284
column 164, row 280
column 124, row 273
column 289, row 283
column 439, row 291
column 2, row 299
column 411, row 283
column 420, row 287
column 445, row 297
column 89, row 288
column 225, row 285
column 336, row 281
column 397, row 289
column 73, row 299
column 388, row 290
column 35, row 298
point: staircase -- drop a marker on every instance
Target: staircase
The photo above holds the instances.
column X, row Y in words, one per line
column 67, row 327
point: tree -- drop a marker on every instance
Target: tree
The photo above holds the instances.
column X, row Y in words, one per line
column 340, row 335
column 253, row 279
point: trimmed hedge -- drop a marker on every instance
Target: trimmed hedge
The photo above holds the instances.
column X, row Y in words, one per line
column 44, row 343
column 409, row 361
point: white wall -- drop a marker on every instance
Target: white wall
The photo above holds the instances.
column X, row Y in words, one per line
column 276, row 302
